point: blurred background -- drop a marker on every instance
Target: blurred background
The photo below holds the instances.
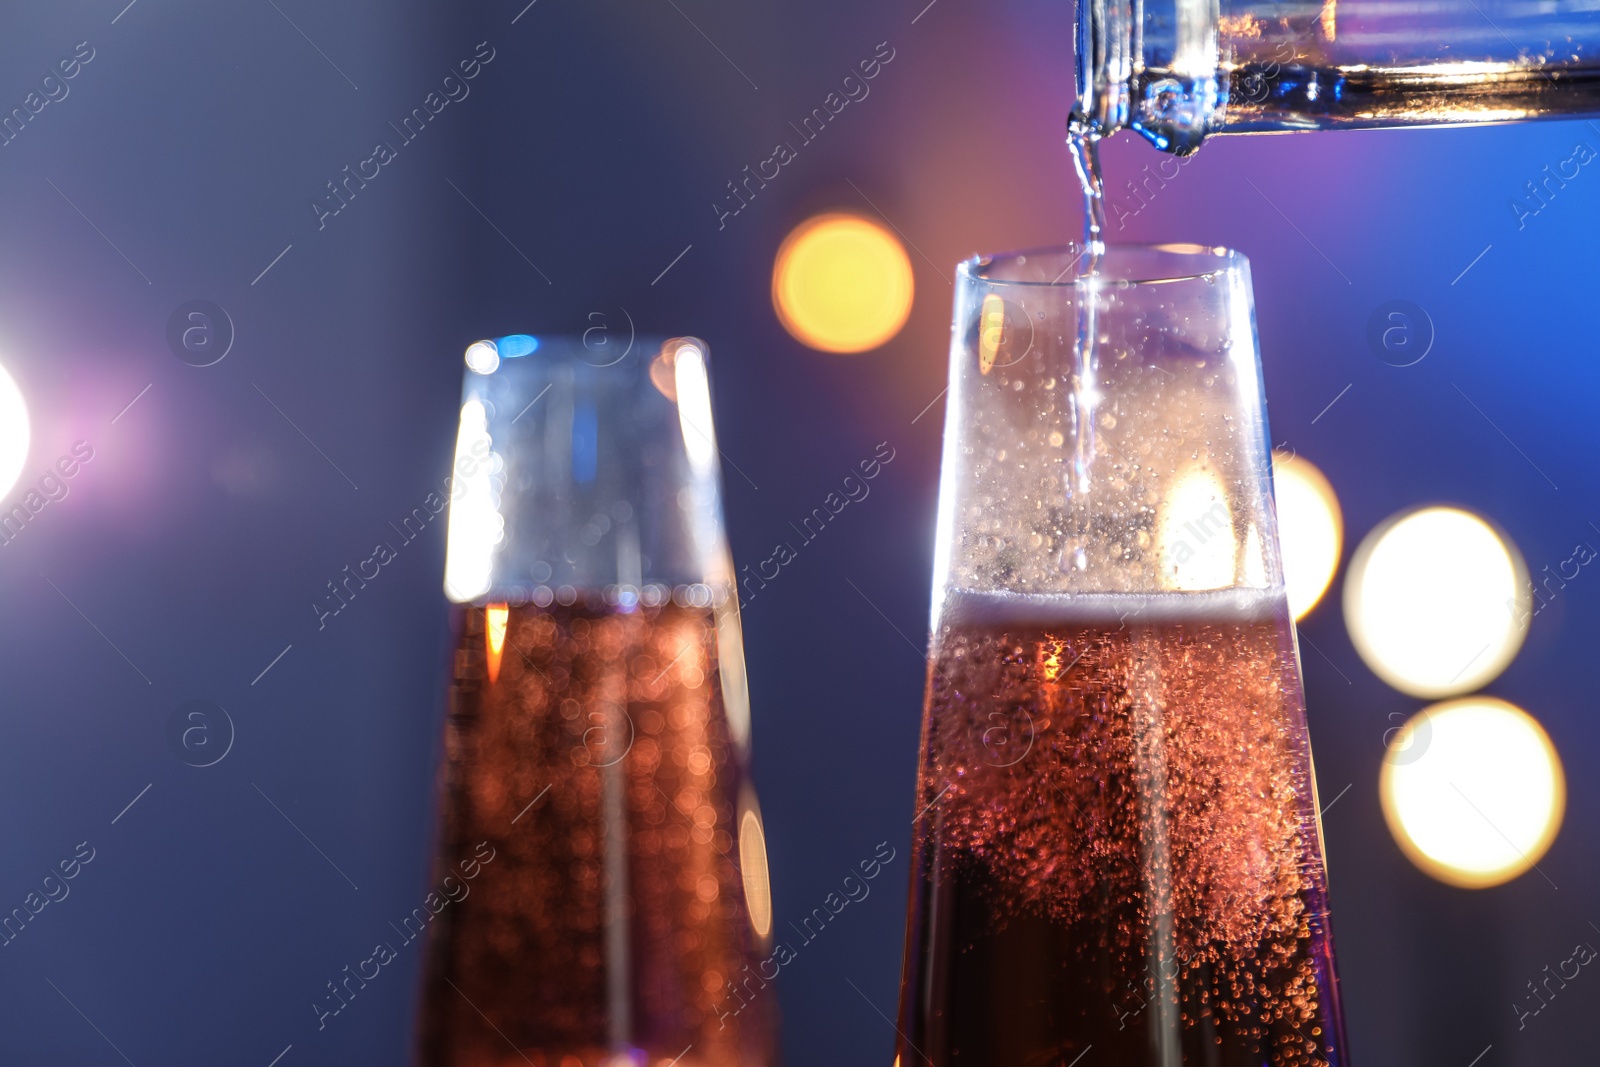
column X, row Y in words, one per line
column 581, row 180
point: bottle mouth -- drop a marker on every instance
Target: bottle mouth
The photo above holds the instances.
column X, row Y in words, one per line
column 1121, row 264
column 1104, row 65
column 1151, row 66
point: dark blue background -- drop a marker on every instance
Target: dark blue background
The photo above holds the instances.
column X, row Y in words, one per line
column 596, row 141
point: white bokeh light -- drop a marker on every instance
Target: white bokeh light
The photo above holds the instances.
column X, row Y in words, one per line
column 1310, row 530
column 14, row 432
column 694, row 407
column 483, row 357
column 1195, row 535
column 1473, row 791
column 1436, row 601
column 476, row 527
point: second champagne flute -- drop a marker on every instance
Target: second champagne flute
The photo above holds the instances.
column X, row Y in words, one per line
column 595, row 806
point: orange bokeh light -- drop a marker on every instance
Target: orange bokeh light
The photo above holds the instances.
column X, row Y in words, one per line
column 842, row 283
column 495, row 617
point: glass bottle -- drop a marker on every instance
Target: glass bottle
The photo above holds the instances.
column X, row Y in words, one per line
column 1178, row 71
column 1117, row 843
column 601, row 879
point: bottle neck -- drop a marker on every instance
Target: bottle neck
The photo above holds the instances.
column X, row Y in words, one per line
column 1152, row 66
column 1177, row 71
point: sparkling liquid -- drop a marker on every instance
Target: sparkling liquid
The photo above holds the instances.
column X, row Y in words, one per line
column 1084, row 144
column 589, row 749
column 1118, row 849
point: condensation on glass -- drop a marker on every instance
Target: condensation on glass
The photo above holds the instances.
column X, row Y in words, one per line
column 1117, row 843
column 594, row 800
column 1177, row 71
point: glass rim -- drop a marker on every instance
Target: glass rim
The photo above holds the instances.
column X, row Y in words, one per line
column 486, row 355
column 1134, row 263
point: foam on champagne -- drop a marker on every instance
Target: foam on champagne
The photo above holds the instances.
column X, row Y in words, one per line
column 1004, row 610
